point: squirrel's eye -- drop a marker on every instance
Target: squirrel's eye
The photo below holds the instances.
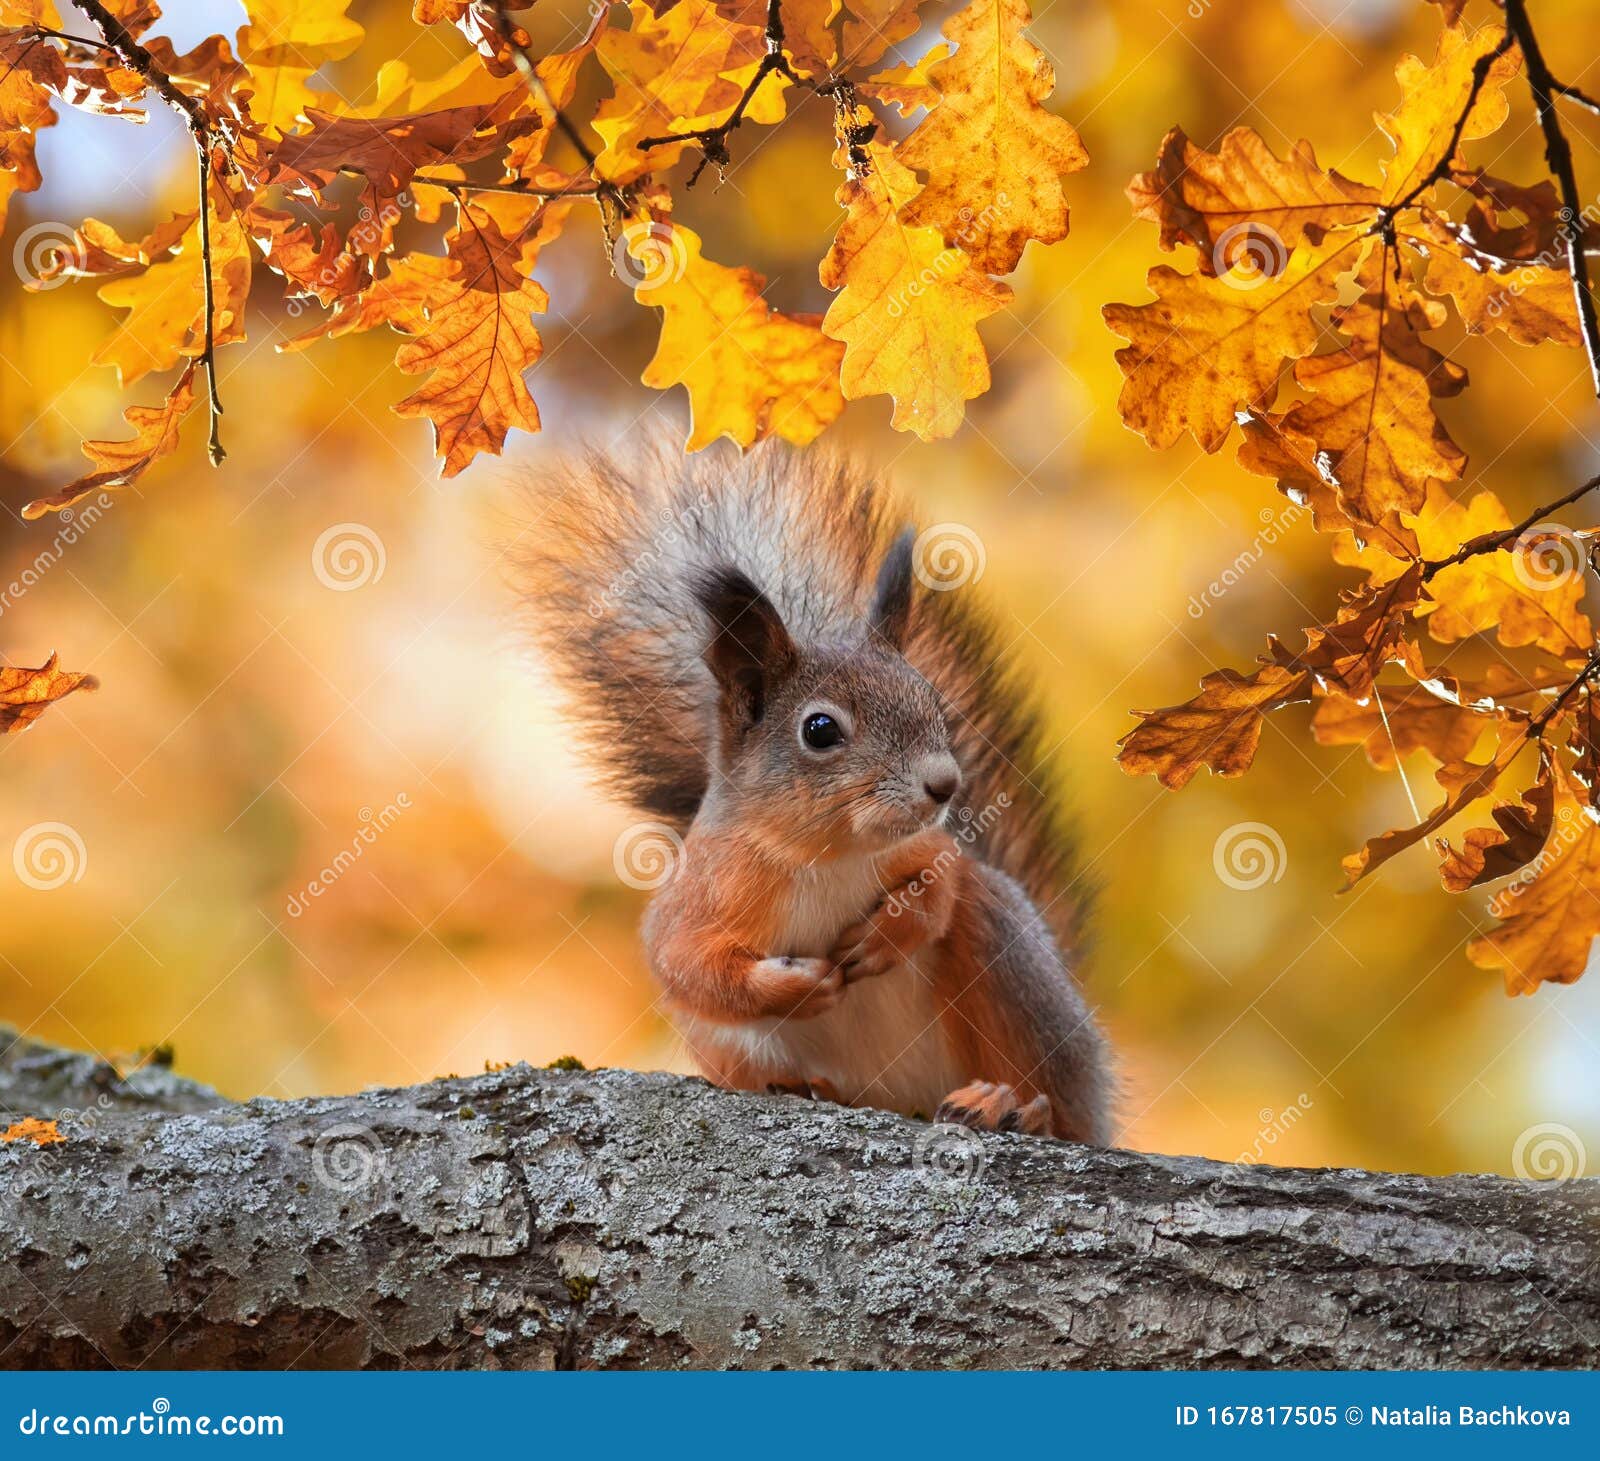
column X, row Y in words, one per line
column 821, row 731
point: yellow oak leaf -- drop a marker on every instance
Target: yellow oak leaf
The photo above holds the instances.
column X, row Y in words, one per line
column 872, row 26
column 1526, row 595
column 31, row 71
column 674, row 72
column 908, row 305
column 750, row 371
column 994, row 158
column 1433, row 96
column 1206, row 348
column 908, row 87
column 284, row 44
column 166, row 301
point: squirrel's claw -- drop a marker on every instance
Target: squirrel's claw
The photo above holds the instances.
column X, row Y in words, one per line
column 991, row 1106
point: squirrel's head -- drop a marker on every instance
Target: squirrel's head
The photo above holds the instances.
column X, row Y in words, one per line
column 825, row 749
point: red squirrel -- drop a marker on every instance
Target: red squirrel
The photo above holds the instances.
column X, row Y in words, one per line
column 874, row 901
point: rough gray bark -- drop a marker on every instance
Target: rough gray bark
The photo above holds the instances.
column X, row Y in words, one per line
column 578, row 1219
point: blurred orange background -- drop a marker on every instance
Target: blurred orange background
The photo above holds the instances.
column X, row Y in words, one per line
column 254, row 721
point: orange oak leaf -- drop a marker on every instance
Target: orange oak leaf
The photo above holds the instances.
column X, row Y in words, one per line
column 1371, row 404
column 907, row 307
column 1394, row 721
column 31, row 1128
column 1530, row 301
column 1519, row 832
column 1207, row 348
column 750, row 371
column 1242, row 197
column 993, row 156
column 120, row 463
column 25, row 693
column 1548, row 921
column 479, row 338
column 1464, row 782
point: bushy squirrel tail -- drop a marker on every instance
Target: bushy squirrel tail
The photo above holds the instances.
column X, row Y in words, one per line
column 608, row 559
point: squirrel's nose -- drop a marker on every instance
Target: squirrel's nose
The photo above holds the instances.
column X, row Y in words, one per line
column 941, row 778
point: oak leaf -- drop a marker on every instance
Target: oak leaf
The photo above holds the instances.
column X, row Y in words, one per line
column 479, row 338
column 121, row 463
column 993, row 156
column 1520, row 830
column 1221, row 201
column 1206, row 348
column 25, row 693
column 285, row 43
column 750, row 371
column 908, row 305
column 1394, row 721
column 1549, row 921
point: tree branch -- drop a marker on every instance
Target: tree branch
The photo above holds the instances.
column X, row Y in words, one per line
column 136, row 58
column 1493, row 542
column 610, row 1219
column 1558, row 155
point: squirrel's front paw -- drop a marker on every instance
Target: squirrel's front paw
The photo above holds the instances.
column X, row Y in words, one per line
column 797, row 989
column 886, row 937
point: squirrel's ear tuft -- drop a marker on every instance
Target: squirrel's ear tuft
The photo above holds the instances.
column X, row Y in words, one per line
column 891, row 597
column 749, row 648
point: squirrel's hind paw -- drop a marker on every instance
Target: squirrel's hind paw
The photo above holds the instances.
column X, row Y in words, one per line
column 987, row 1106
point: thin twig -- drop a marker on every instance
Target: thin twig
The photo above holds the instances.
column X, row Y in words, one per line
column 60, row 35
column 1578, row 95
column 1558, row 154
column 1536, row 726
column 120, row 41
column 529, row 70
column 579, row 188
column 1493, row 542
column 713, row 141
column 1480, row 74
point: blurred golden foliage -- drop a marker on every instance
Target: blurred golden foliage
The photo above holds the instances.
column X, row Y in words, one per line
column 313, row 678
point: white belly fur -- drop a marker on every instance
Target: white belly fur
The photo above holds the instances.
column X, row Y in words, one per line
column 882, row 1044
